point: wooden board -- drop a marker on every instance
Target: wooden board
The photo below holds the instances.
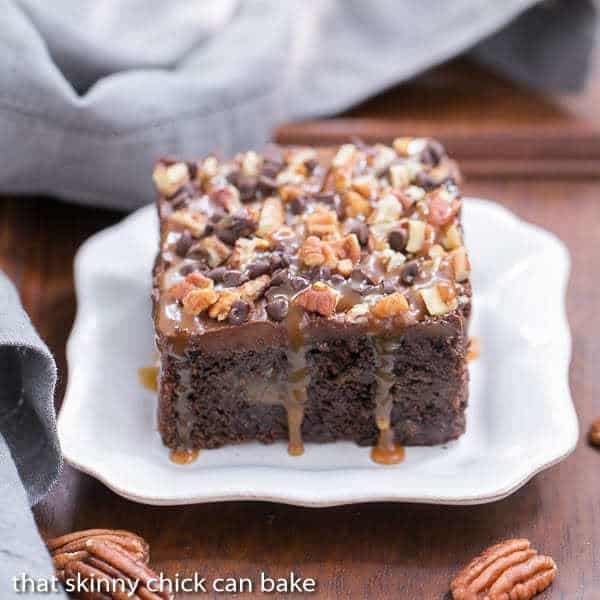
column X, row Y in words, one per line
column 363, row 551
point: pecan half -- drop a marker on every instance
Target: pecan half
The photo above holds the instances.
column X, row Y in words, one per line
column 112, row 558
column 75, row 542
column 594, row 435
column 117, row 570
column 510, row 570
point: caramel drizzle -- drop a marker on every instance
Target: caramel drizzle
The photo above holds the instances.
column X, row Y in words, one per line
column 385, row 451
column 473, row 349
column 294, row 397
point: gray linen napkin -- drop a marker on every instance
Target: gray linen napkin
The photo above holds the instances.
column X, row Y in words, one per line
column 27, row 435
column 91, row 93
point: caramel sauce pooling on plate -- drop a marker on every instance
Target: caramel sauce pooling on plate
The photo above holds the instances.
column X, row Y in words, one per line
column 148, row 377
column 183, row 457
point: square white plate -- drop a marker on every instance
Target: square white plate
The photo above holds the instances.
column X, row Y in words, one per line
column 520, row 418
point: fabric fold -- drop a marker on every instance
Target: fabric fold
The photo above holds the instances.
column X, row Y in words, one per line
column 27, row 381
column 91, row 94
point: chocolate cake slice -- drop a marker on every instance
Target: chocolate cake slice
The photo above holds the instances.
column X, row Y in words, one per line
column 312, row 296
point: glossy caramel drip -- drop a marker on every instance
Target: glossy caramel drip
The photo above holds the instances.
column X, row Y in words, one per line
column 183, row 457
column 474, row 349
column 148, row 377
column 294, row 397
column 386, row 451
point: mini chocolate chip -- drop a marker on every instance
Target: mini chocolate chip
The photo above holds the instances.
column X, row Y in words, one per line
column 318, row 274
column 298, row 205
column 233, row 278
column 239, row 312
column 362, row 233
column 257, row 268
column 271, row 168
column 266, row 185
column 280, row 277
column 326, row 198
column 397, row 239
column 192, row 169
column 277, row 309
column 230, row 228
column 183, row 195
column 410, row 272
column 216, row 274
column 233, row 177
column 183, row 243
column 217, row 215
column 432, row 153
column 311, row 164
column 247, row 187
column 299, row 283
column 276, row 261
column 388, row 287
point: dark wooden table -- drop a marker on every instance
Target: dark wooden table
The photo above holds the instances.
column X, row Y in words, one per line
column 376, row 550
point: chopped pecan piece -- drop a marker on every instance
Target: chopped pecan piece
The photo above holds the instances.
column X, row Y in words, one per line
column 253, row 289
column 228, row 197
column 439, row 299
column 356, row 204
column 318, row 298
column 348, row 248
column 220, row 309
column 272, row 216
column 460, row 264
column 245, row 251
column 198, row 300
column 316, row 253
column 168, row 179
column 214, row 249
column 389, row 306
column 452, row 238
column 509, row 570
column 194, row 222
column 322, row 222
column 191, row 282
column 442, row 208
column 365, row 185
column 345, row 155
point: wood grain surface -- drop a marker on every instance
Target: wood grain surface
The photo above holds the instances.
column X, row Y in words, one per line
column 362, row 551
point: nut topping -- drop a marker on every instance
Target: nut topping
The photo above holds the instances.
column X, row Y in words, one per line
column 510, row 570
column 322, row 222
column 315, row 253
column 272, row 217
column 461, row 264
column 390, row 306
column 215, row 250
column 194, row 222
column 376, row 224
column 318, row 298
column 197, row 301
column 438, row 300
column 168, row 179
